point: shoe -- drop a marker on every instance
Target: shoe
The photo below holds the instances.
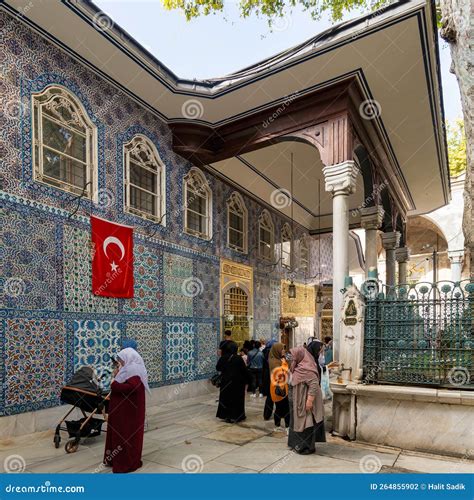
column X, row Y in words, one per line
column 260, row 395
column 253, row 395
column 287, row 430
column 278, row 429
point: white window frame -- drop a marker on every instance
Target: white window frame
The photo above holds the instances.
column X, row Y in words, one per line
column 236, row 205
column 286, row 236
column 195, row 182
column 304, row 254
column 141, row 143
column 52, row 98
column 265, row 222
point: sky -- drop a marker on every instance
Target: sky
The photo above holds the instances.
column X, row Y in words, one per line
column 219, row 44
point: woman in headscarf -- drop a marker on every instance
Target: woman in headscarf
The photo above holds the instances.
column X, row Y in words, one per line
column 126, row 418
column 306, row 402
column 235, row 376
column 279, row 385
column 268, row 408
column 316, row 349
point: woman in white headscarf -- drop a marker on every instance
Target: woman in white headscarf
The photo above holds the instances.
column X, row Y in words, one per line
column 126, row 420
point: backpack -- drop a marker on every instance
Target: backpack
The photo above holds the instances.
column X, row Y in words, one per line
column 279, row 382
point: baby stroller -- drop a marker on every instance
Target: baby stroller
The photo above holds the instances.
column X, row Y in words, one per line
column 82, row 392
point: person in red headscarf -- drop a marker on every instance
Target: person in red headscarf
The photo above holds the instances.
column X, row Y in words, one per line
column 306, row 401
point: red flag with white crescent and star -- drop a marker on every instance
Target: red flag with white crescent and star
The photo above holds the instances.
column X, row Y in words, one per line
column 112, row 261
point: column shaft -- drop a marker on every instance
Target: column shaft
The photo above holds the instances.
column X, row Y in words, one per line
column 370, row 219
column 402, row 255
column 340, row 180
column 402, row 273
column 390, row 242
column 370, row 250
column 340, row 257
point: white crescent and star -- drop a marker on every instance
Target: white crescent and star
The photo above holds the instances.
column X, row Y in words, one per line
column 112, row 240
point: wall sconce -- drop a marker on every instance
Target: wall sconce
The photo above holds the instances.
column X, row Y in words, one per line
column 292, row 290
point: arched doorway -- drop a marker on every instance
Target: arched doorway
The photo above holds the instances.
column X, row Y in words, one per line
column 237, row 300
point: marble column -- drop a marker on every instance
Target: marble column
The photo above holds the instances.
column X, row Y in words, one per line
column 390, row 242
column 371, row 219
column 456, row 258
column 340, row 180
column 402, row 256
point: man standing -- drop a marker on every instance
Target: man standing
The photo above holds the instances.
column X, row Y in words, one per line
column 255, row 363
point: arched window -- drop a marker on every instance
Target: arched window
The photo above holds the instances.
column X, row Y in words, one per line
column 266, row 236
column 144, row 179
column 197, row 205
column 304, row 255
column 237, row 223
column 64, row 142
column 286, row 246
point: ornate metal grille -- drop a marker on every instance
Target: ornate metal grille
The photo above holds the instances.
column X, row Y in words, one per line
column 420, row 334
column 236, row 310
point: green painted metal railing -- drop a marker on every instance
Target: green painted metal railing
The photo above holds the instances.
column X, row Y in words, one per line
column 419, row 334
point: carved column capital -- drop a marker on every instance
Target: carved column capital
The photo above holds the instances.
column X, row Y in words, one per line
column 402, row 255
column 391, row 240
column 341, row 178
column 456, row 256
column 371, row 217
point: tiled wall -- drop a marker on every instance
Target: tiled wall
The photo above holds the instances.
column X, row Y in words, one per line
column 50, row 323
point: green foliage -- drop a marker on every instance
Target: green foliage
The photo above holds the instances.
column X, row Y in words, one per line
column 456, row 139
column 273, row 9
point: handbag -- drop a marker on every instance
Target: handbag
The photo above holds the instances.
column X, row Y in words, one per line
column 216, row 379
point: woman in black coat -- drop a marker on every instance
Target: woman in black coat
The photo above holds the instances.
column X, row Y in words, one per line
column 235, row 377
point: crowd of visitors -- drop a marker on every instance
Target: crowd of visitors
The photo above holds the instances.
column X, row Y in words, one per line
column 290, row 382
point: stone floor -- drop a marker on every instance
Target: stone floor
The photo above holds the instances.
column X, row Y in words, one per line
column 185, row 436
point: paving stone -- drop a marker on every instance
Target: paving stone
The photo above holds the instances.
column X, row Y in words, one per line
column 188, row 457
column 430, row 464
column 255, row 456
column 294, row 463
column 356, row 454
column 235, row 434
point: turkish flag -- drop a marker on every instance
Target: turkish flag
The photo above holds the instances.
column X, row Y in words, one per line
column 112, row 263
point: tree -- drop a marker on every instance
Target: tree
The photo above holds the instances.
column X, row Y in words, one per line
column 455, row 29
column 456, row 147
column 272, row 9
